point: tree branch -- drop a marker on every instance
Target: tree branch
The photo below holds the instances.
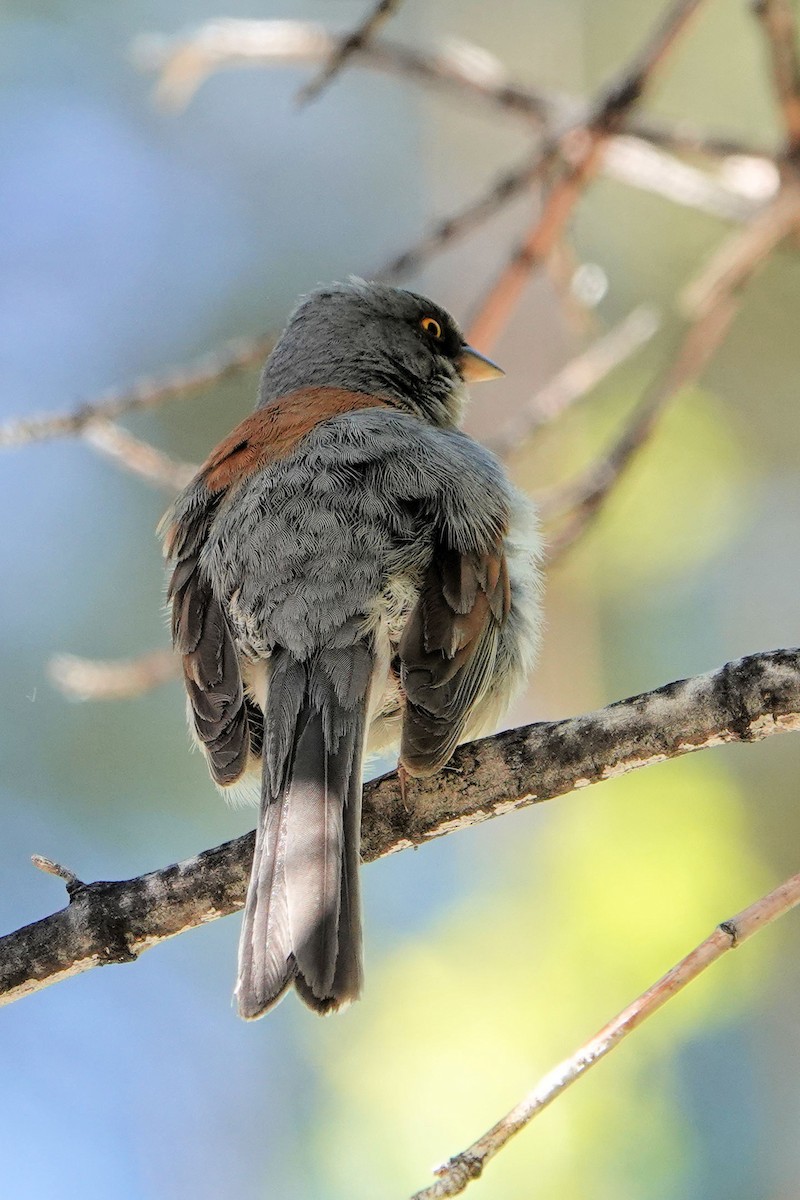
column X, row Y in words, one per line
column 114, row 922
column 460, row 1170
column 711, row 302
column 360, row 37
column 112, row 678
column 582, row 499
column 185, row 61
column 583, row 145
column 780, row 27
column 500, row 192
column 238, row 355
column 137, row 456
column 577, row 378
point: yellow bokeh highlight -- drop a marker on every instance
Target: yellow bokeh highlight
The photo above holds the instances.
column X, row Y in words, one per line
column 593, row 899
column 682, row 500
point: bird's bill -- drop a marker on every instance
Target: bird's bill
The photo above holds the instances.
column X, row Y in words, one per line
column 475, row 367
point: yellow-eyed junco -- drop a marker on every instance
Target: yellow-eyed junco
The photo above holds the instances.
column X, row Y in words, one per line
column 350, row 571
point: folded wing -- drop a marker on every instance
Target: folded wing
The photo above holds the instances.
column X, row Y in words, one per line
column 448, row 650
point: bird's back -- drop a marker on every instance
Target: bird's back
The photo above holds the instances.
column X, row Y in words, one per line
column 340, row 528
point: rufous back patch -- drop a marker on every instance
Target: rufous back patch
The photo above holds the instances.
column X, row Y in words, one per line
column 272, row 433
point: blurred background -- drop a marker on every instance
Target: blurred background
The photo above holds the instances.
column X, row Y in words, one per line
column 135, row 238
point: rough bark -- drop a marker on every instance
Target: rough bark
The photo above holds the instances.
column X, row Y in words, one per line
column 114, row 922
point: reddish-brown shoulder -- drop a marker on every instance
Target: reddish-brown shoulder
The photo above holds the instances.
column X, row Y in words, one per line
column 272, row 433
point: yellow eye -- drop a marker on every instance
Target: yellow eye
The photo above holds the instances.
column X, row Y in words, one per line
column 432, row 326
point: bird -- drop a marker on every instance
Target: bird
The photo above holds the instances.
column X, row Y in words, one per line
column 350, row 573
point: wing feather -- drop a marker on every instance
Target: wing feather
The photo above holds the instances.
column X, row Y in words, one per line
column 219, row 712
column 448, row 650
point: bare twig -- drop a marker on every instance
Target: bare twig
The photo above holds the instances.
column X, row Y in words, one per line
column 53, row 868
column 112, row 679
column 743, row 251
column 244, row 354
column 685, row 138
column 582, row 499
column 500, row 193
column 137, row 456
column 462, row 69
column 579, row 377
column 459, row 1171
column 178, row 383
column 495, row 308
column 712, row 303
column 779, row 21
column 731, row 194
column 184, row 62
column 355, row 41
column 649, row 61
column 746, row 700
column 627, row 159
column 583, row 147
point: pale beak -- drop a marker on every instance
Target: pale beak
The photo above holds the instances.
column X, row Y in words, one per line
column 475, row 367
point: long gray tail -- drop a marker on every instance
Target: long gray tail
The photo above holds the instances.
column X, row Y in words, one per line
column 302, row 917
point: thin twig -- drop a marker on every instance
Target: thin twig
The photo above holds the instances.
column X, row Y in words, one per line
column 628, row 160
column 733, row 264
column 460, row 1170
column 178, row 383
column 731, row 194
column 183, row 63
column 53, row 868
column 683, row 137
column 352, row 43
column 712, row 302
column 583, row 499
column 579, row 377
column 744, row 701
column 500, row 193
column 243, row 354
column 137, row 456
column 780, row 26
column 112, row 679
column 583, row 147
column 495, row 308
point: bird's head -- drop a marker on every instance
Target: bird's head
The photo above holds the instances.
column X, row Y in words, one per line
column 381, row 341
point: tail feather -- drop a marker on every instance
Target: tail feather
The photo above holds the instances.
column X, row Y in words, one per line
column 302, row 921
column 315, row 801
column 348, row 979
column 265, row 948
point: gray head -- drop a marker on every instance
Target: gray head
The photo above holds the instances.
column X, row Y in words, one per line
column 379, row 340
